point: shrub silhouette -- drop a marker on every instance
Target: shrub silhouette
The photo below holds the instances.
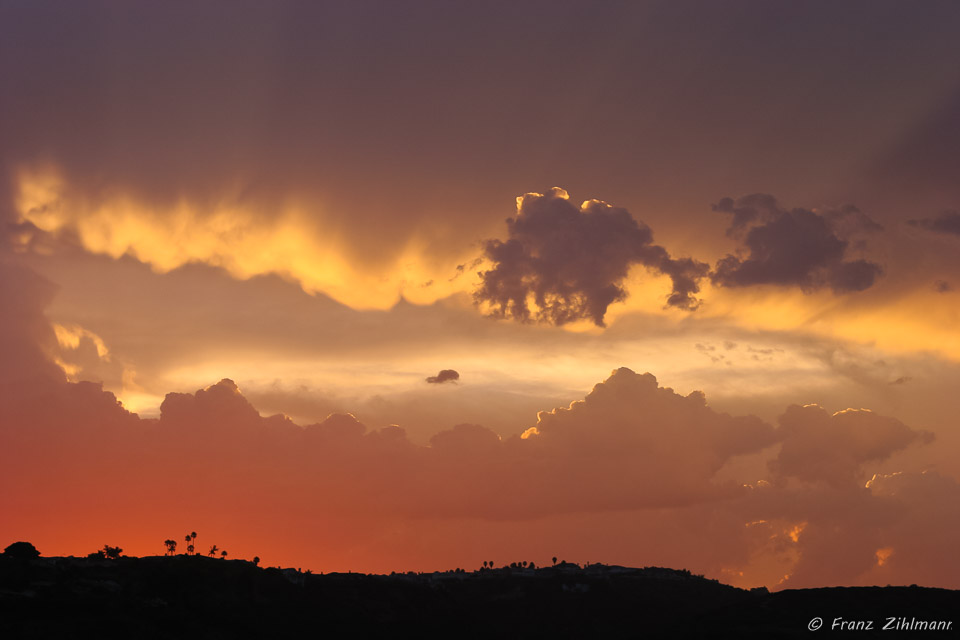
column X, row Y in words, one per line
column 21, row 550
column 111, row 553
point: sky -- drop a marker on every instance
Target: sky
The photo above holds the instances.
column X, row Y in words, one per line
column 381, row 286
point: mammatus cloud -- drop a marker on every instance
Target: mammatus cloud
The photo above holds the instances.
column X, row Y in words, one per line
column 445, row 375
column 570, row 262
column 796, row 247
column 947, row 222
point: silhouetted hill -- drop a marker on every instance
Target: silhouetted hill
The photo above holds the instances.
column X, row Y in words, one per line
column 200, row 597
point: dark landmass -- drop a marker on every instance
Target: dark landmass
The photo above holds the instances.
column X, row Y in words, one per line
column 201, row 597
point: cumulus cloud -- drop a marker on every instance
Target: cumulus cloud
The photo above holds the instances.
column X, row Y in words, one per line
column 26, row 339
column 629, row 444
column 796, row 247
column 894, row 530
column 920, row 510
column 630, row 433
column 633, row 458
column 445, row 375
column 630, row 447
column 947, row 222
column 571, row 262
column 818, row 446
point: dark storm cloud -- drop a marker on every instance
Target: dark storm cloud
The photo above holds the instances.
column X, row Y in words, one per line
column 796, row 247
column 251, row 105
column 947, row 222
column 923, row 159
column 572, row 261
column 445, row 375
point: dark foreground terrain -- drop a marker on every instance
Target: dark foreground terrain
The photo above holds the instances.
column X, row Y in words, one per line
column 199, row 597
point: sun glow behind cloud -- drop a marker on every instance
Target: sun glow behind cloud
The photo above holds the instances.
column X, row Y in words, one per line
column 295, row 242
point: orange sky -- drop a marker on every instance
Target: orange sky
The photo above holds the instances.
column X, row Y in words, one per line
column 236, row 244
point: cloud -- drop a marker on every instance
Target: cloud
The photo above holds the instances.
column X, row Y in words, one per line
column 629, row 433
column 897, row 529
column 218, row 404
column 27, row 341
column 947, row 222
column 629, row 444
column 797, row 247
column 631, row 461
column 633, row 458
column 820, row 447
column 942, row 286
column 919, row 510
column 571, row 262
column 445, row 375
column 921, row 158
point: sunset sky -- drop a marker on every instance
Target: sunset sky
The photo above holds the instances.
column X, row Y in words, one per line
column 695, row 265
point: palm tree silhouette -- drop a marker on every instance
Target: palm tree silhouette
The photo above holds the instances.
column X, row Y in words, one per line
column 171, row 546
column 190, row 537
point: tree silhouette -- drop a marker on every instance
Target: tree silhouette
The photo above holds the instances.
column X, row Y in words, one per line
column 223, row 554
column 554, row 559
column 189, row 538
column 171, row 546
column 21, row 550
column 111, row 553
column 256, row 561
column 213, row 550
